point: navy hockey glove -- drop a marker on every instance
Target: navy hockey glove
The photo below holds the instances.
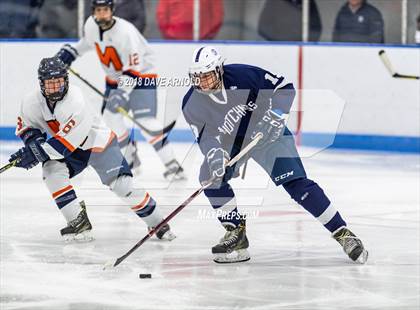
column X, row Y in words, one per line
column 37, row 150
column 30, row 155
column 271, row 126
column 25, row 158
column 32, row 134
column 67, row 54
column 117, row 98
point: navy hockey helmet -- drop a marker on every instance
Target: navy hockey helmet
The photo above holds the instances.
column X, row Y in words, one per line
column 96, row 3
column 103, row 23
column 53, row 69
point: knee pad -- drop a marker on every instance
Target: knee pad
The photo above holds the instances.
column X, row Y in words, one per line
column 115, row 121
column 56, row 175
column 54, row 169
column 122, row 186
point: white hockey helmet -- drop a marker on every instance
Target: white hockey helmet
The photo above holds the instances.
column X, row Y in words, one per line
column 206, row 59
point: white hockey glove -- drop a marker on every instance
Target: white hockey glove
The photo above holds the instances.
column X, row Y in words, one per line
column 217, row 159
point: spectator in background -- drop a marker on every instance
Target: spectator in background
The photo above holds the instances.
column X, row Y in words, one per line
column 417, row 35
column 358, row 21
column 175, row 18
column 58, row 19
column 133, row 11
column 281, row 20
column 19, row 18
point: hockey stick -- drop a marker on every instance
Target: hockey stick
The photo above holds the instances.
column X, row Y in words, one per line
column 122, row 110
column 391, row 70
column 8, row 166
column 233, row 161
column 87, row 83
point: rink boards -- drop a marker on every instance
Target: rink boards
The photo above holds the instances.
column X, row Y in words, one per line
column 349, row 99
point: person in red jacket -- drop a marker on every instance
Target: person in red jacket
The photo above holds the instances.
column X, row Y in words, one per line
column 176, row 18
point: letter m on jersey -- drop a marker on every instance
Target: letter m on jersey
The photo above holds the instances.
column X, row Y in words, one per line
column 110, row 55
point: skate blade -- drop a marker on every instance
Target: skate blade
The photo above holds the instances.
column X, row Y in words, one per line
column 234, row 257
column 180, row 176
column 108, row 265
column 363, row 257
column 173, row 178
column 85, row 236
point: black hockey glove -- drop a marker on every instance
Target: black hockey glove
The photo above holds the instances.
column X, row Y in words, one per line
column 117, row 98
column 30, row 155
column 31, row 134
column 67, row 54
column 271, row 126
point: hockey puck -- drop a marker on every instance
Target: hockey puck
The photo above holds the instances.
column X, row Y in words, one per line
column 145, row 275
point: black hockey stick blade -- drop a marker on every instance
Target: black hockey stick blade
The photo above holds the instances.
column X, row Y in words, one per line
column 242, row 153
column 403, row 76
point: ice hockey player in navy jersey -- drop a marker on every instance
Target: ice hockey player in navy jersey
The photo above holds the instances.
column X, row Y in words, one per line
column 227, row 106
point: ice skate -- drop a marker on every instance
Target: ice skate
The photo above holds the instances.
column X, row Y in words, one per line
column 164, row 233
column 233, row 246
column 174, row 171
column 78, row 229
column 351, row 244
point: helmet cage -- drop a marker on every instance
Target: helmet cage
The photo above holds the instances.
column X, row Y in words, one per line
column 51, row 69
column 56, row 96
column 214, row 80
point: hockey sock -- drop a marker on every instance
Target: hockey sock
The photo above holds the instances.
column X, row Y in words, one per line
column 145, row 208
column 312, row 198
column 56, row 177
column 138, row 199
column 224, row 203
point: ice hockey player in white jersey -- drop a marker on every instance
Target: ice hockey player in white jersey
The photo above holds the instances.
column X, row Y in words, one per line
column 127, row 60
column 60, row 131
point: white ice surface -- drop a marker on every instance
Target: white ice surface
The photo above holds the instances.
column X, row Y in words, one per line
column 295, row 264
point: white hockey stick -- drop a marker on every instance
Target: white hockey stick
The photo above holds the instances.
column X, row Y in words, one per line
column 391, row 70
